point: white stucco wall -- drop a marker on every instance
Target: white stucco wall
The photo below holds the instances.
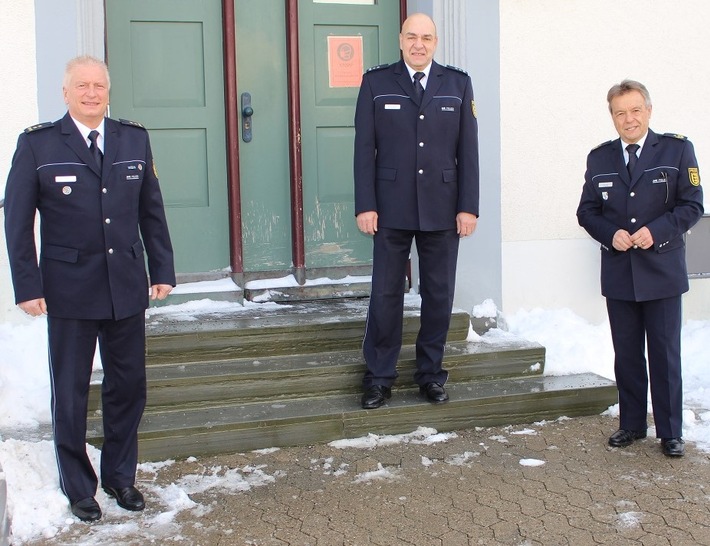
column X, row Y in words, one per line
column 18, row 109
column 18, row 93
column 558, row 60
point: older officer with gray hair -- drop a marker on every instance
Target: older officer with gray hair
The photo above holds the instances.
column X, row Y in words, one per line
column 94, row 183
column 641, row 194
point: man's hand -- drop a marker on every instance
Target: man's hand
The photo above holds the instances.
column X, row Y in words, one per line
column 642, row 238
column 465, row 224
column 160, row 291
column 622, row 240
column 34, row 308
column 367, row 222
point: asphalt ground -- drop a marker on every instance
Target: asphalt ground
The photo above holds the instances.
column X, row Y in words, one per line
column 549, row 483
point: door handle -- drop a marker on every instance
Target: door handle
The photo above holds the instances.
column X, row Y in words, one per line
column 247, row 113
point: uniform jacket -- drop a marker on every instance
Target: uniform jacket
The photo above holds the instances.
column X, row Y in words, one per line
column 664, row 194
column 94, row 226
column 416, row 165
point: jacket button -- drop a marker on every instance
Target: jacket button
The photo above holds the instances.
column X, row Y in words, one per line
column 108, row 220
column 421, row 171
column 104, row 190
column 110, row 251
column 632, row 194
column 421, row 144
column 633, row 220
column 421, row 116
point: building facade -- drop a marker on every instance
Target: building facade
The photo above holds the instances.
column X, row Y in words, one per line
column 279, row 202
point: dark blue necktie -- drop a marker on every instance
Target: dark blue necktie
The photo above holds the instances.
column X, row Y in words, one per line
column 632, row 149
column 418, row 87
column 94, row 149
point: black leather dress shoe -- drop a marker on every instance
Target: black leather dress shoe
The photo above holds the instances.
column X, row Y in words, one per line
column 673, row 447
column 86, row 509
column 375, row 396
column 128, row 498
column 434, row 393
column 623, row 437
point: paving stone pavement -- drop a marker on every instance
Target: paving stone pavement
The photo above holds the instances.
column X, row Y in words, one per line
column 551, row 483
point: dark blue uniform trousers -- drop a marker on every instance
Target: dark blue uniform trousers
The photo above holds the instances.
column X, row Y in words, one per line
column 438, row 252
column 657, row 324
column 72, row 344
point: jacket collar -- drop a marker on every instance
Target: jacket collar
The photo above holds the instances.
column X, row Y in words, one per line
column 435, row 78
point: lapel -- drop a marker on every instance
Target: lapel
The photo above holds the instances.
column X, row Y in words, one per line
column 73, row 139
column 434, row 81
column 648, row 153
column 404, row 81
column 617, row 159
column 111, row 139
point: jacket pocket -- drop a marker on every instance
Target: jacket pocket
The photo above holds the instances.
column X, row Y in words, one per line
column 137, row 249
column 386, row 174
column 60, row 253
column 450, row 175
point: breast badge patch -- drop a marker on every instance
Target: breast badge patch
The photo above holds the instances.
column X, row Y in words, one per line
column 694, row 176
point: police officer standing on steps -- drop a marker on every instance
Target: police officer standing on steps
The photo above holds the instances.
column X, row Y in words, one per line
column 416, row 177
column 641, row 194
column 94, row 183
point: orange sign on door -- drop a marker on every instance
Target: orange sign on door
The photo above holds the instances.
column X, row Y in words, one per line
column 345, row 61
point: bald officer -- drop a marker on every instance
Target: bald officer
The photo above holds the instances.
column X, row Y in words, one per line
column 416, row 177
column 93, row 181
column 641, row 194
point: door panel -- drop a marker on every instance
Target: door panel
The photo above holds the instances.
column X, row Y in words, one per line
column 165, row 58
column 263, row 162
column 327, row 112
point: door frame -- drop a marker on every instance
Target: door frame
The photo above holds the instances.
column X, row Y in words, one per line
column 232, row 113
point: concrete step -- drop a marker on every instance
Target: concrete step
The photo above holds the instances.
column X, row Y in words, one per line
column 279, row 375
column 318, row 374
column 247, row 426
column 300, row 328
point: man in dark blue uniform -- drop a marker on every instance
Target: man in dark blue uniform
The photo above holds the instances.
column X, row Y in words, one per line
column 416, row 177
column 94, row 183
column 641, row 194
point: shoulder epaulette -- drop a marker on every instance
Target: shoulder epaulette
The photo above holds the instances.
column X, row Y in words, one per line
column 456, row 68
column 602, row 144
column 39, row 126
column 378, row 67
column 676, row 135
column 132, row 123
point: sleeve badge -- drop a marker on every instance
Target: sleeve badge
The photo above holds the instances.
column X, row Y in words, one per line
column 155, row 170
column 694, row 176
column 473, row 108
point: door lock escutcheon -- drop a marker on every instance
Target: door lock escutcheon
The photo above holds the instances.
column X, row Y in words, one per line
column 247, row 113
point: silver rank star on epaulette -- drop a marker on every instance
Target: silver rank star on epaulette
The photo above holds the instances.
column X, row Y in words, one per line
column 676, row 135
column 378, row 67
column 452, row 67
column 39, row 126
column 132, row 123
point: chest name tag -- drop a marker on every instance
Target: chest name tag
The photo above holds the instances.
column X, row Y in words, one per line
column 133, row 177
column 448, row 109
column 393, row 106
column 606, row 184
column 64, row 179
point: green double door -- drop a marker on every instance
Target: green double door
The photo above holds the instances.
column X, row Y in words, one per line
column 167, row 68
